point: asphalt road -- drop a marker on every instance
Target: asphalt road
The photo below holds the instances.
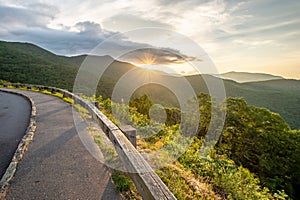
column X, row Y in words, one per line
column 14, row 118
column 56, row 164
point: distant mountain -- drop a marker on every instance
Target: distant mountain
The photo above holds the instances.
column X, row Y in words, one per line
column 28, row 63
column 243, row 77
column 281, row 96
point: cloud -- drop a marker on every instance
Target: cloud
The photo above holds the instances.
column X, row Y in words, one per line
column 157, row 56
column 253, row 42
column 37, row 15
column 124, row 22
column 191, row 18
column 89, row 27
column 64, row 42
column 82, row 38
column 30, row 23
column 224, row 28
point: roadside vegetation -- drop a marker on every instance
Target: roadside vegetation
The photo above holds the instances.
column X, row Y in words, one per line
column 256, row 157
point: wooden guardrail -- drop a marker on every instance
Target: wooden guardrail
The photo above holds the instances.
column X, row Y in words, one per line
column 149, row 185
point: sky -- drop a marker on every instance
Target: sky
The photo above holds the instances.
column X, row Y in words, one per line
column 253, row 36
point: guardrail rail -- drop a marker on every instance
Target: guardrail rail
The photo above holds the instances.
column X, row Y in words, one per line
column 148, row 183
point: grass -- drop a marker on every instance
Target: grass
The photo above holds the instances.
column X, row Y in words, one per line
column 84, row 113
column 121, row 181
column 125, row 186
column 109, row 152
column 188, row 186
column 56, row 94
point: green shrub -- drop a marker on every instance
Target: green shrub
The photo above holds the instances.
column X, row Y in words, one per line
column 121, row 181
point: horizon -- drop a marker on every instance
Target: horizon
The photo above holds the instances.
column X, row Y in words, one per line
column 244, row 36
column 159, row 69
column 160, row 99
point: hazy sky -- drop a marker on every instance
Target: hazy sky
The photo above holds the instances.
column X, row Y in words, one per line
column 255, row 35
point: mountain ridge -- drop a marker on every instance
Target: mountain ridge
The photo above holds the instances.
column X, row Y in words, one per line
column 25, row 63
column 244, row 77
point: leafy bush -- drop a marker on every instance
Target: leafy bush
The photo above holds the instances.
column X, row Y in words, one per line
column 262, row 142
column 229, row 181
column 121, row 181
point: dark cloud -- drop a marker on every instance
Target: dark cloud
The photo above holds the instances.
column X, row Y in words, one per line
column 66, row 42
column 61, row 41
column 158, row 56
column 36, row 15
column 29, row 23
column 89, row 27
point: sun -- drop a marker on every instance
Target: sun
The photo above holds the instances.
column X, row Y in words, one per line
column 146, row 59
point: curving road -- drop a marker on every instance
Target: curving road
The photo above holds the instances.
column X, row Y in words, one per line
column 56, row 164
column 14, row 118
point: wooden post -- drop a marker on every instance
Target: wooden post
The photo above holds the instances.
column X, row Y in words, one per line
column 65, row 95
column 130, row 133
column 97, row 104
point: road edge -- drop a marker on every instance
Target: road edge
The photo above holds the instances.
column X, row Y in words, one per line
column 22, row 147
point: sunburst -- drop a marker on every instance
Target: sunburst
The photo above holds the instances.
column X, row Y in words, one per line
column 147, row 59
